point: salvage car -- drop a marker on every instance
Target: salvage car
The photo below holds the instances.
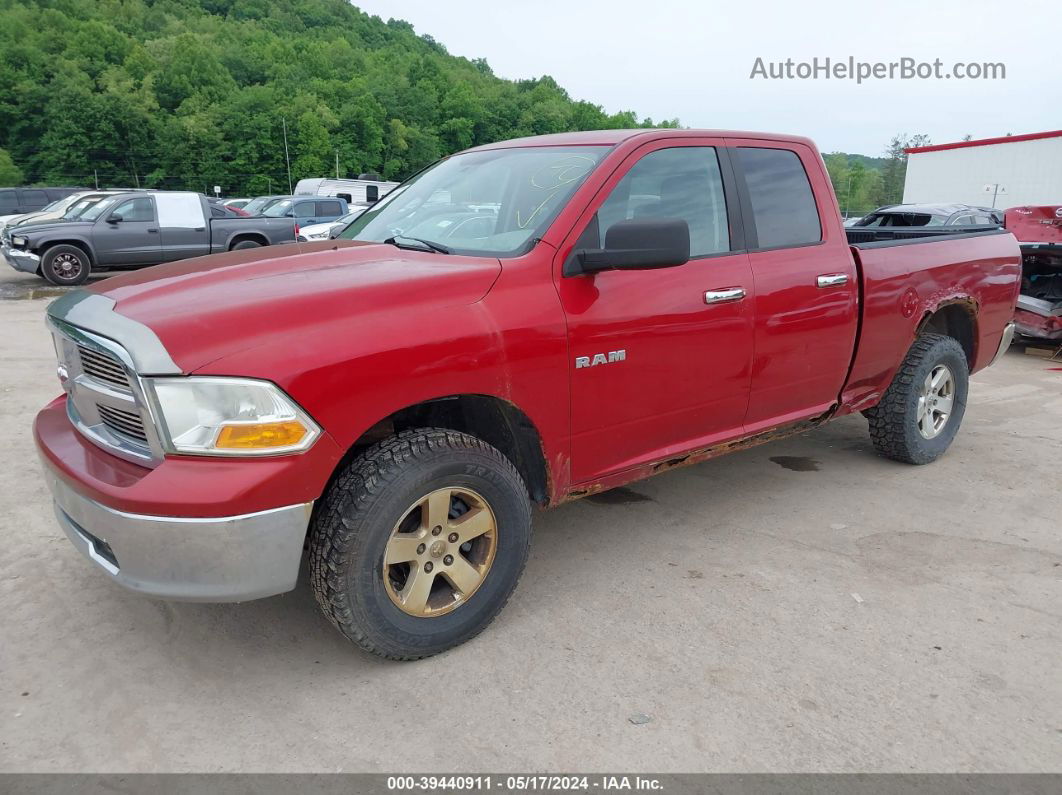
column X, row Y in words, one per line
column 931, row 215
column 1039, row 232
column 641, row 300
column 134, row 229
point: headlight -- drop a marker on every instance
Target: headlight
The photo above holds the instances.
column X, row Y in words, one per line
column 19, row 241
column 229, row 416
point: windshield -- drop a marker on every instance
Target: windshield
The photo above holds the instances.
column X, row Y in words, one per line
column 79, row 208
column 491, row 203
column 255, row 206
column 96, row 210
column 279, row 209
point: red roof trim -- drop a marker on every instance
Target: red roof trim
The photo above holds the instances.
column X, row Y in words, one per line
column 1006, row 139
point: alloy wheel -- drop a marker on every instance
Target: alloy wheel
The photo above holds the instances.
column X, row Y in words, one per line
column 936, row 401
column 440, row 552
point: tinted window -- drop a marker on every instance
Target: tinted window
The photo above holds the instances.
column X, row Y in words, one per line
column 684, row 183
column 216, row 212
column 372, row 193
column 305, row 210
column 34, row 199
column 141, row 209
column 783, row 205
column 329, row 208
column 8, row 201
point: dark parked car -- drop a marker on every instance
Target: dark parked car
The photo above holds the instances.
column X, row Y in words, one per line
column 133, row 229
column 932, row 215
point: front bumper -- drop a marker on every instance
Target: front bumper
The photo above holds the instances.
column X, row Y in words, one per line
column 217, row 559
column 20, row 260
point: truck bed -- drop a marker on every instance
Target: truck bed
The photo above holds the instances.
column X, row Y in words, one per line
column 917, row 275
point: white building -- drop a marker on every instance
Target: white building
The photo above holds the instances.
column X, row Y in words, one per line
column 1016, row 170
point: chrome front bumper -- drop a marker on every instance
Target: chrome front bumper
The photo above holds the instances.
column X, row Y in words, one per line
column 1004, row 342
column 21, row 260
column 217, row 559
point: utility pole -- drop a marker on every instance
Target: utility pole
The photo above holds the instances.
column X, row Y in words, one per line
column 337, row 164
column 287, row 159
column 96, row 176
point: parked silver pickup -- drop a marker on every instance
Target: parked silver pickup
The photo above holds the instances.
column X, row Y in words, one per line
column 134, row 229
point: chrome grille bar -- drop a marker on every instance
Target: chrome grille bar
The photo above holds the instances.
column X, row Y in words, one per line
column 105, row 398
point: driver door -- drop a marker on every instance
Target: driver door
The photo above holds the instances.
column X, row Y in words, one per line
column 128, row 234
column 660, row 360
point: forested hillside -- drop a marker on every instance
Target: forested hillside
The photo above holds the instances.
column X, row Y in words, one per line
column 196, row 93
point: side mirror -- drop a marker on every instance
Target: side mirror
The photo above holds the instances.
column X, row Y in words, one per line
column 637, row 244
column 114, row 218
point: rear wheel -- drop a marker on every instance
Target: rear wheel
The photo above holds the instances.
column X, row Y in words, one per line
column 65, row 265
column 419, row 543
column 245, row 244
column 921, row 411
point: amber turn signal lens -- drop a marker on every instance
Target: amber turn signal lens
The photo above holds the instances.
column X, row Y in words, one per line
column 258, row 436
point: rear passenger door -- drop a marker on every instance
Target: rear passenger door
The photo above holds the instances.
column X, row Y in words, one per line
column 128, row 234
column 806, row 284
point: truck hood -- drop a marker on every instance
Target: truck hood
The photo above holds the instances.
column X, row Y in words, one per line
column 206, row 308
column 37, row 227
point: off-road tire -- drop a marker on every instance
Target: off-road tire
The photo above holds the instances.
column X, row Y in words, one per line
column 894, row 421
column 245, row 244
column 358, row 513
column 50, row 265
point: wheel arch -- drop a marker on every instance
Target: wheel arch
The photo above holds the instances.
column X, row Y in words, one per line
column 43, row 247
column 955, row 318
column 498, row 422
column 239, row 237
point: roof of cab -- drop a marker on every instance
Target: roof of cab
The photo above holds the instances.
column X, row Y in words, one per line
column 614, row 137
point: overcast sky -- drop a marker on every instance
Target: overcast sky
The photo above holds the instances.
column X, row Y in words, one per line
column 665, row 58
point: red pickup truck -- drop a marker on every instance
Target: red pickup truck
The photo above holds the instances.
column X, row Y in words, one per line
column 519, row 324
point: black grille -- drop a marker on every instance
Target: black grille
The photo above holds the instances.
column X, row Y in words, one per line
column 103, row 367
column 125, row 423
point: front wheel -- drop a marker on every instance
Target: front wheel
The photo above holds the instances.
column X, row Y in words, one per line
column 419, row 543
column 65, row 265
column 921, row 411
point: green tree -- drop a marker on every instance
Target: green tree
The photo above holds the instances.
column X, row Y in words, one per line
column 192, row 93
column 10, row 174
column 895, row 171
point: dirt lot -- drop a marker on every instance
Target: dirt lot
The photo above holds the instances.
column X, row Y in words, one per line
column 802, row 606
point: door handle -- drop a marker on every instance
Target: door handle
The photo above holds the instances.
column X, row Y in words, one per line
column 200, row 229
column 153, row 231
column 832, row 279
column 726, row 295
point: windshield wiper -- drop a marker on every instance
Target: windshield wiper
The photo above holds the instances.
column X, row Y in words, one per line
column 424, row 245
